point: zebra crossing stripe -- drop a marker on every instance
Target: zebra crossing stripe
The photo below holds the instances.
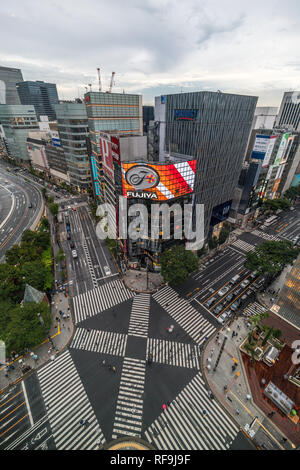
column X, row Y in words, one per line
column 174, row 353
column 90, row 265
column 67, row 403
column 183, row 426
column 139, row 318
column 102, row 298
column 184, row 314
column 104, row 342
column 264, row 235
column 129, row 410
column 254, row 309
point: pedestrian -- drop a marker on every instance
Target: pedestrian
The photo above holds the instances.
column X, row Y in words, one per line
column 81, row 422
column 284, row 439
column 149, row 362
column 237, row 411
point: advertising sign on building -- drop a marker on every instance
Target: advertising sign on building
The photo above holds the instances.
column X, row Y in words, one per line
column 158, row 182
column 276, row 185
column 285, row 156
column 260, row 147
column 281, row 149
column 269, row 173
column 269, row 151
column 185, row 114
column 106, row 155
column 96, row 175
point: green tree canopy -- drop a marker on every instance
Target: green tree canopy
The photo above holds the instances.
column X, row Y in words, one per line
column 271, row 257
column 292, row 192
column 275, row 204
column 213, row 243
column 224, row 234
column 177, row 263
column 53, row 207
column 23, row 326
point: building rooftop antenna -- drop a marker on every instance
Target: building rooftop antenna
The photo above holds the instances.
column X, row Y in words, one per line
column 99, row 79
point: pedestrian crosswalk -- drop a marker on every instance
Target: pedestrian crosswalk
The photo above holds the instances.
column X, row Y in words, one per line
column 244, row 246
column 104, row 342
column 187, row 317
column 139, row 318
column 254, row 309
column 173, row 353
column 264, row 235
column 67, row 403
column 100, row 299
column 129, row 411
column 193, row 421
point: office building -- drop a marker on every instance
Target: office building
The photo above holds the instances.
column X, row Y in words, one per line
column 9, row 77
column 148, row 115
column 17, row 121
column 73, row 133
column 289, row 112
column 289, row 298
column 43, row 96
column 214, row 129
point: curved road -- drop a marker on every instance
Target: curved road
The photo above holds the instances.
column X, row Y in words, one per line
column 15, row 214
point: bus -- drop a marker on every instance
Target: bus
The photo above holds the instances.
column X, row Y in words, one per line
column 270, row 220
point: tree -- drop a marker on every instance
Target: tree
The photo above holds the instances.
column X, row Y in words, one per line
column 271, row 257
column 34, row 273
column 224, row 234
column 275, row 204
column 24, row 328
column 12, row 283
column 177, row 263
column 44, row 190
column 44, row 224
column 292, row 193
column 53, row 207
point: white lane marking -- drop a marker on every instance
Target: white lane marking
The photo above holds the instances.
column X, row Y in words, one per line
column 27, row 403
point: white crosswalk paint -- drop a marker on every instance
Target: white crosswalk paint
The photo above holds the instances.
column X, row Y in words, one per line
column 104, row 342
column 100, row 299
column 129, row 411
column 244, row 246
column 67, row 403
column 173, row 353
column 264, row 235
column 139, row 318
column 253, row 309
column 183, row 426
column 184, row 314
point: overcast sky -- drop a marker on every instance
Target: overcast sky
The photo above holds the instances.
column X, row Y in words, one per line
column 156, row 46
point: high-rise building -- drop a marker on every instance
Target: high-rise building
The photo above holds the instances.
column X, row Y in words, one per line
column 289, row 112
column 214, row 129
column 289, row 298
column 17, row 121
column 73, row 132
column 148, row 115
column 9, row 77
column 111, row 118
column 43, row 96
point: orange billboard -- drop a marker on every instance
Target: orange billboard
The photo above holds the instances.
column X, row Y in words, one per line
column 158, row 182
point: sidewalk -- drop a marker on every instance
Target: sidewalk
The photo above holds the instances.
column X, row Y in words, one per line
column 137, row 281
column 237, row 399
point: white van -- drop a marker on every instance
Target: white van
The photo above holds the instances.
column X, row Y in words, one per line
column 235, row 279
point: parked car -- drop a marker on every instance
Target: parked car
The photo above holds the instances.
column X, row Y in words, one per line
column 223, row 291
column 229, row 297
column 107, row 270
column 218, row 309
column 245, row 283
column 210, row 302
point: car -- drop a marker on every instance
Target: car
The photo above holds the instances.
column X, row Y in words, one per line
column 30, row 205
column 235, row 305
column 229, row 297
column 210, row 301
column 211, row 290
column 74, row 254
column 245, row 283
column 237, row 291
column 74, row 208
column 72, row 245
column 253, row 275
column 107, row 270
column 68, row 236
column 218, row 309
column 244, row 297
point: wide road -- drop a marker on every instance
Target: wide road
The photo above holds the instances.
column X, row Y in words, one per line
column 16, row 195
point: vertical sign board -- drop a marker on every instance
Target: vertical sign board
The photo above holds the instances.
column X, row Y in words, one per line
column 281, row 149
column 269, row 151
column 260, row 147
column 106, row 155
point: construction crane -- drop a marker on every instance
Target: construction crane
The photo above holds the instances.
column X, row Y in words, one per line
column 111, row 82
column 99, row 79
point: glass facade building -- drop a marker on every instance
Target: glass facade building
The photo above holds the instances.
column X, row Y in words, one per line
column 43, row 96
column 289, row 299
column 17, row 121
column 73, row 131
column 214, row 129
column 9, row 77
